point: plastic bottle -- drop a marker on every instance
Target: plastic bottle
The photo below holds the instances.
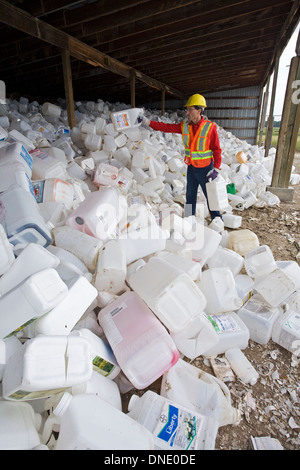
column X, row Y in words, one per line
column 34, row 297
column 223, row 257
column 50, row 109
column 126, row 119
column 174, row 427
column 232, row 220
column 106, row 175
column 54, row 189
column 111, row 268
column 195, row 389
column 260, row 261
column 206, row 246
column 241, row 366
column 142, row 346
column 46, row 365
column 217, row 194
column 169, row 292
column 7, row 256
column 19, row 426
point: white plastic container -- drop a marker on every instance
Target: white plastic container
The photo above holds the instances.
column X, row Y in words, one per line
column 292, row 269
column 14, row 174
column 275, row 287
column 8, row 347
column 143, row 242
column 232, row 332
column 260, row 261
column 98, row 215
column 242, row 241
column 19, row 426
column 85, row 247
column 236, row 202
column 217, row 224
column 7, row 256
column 103, row 359
column 244, row 286
column 93, row 142
column 217, row 194
column 22, row 219
column 259, row 319
column 87, row 422
column 106, row 175
column 218, row 287
column 241, row 366
column 223, row 257
column 54, row 189
column 207, row 245
column 45, row 166
column 174, row 427
column 32, row 298
column 64, row 316
column 142, row 346
column 70, row 266
column 126, row 119
column 200, row 391
column 169, row 292
column 50, row 109
column 32, row 259
column 46, row 365
column 111, row 268
column 192, row 268
column 232, row 220
column 286, row 331
column 16, row 153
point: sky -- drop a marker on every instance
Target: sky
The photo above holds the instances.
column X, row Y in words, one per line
column 283, row 73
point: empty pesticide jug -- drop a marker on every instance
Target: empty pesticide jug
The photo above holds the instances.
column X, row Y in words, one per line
column 141, row 344
column 206, row 245
column 50, row 109
column 15, row 174
column 126, row 119
column 19, row 426
column 244, row 286
column 223, row 257
column 174, row 427
column 22, row 220
column 259, row 318
column 242, row 241
column 16, row 153
column 218, row 287
column 292, row 269
column 69, row 265
column 232, row 220
column 286, row 331
column 192, row 268
column 275, row 287
column 106, row 175
column 217, row 194
column 45, row 166
column 87, row 422
column 197, row 390
column 241, row 366
column 169, row 292
column 8, row 346
column 46, row 365
column 31, row 299
column 111, row 268
column 54, row 189
column 260, row 261
column 7, row 256
column 232, row 332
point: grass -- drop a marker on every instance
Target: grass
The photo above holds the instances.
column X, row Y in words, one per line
column 275, row 138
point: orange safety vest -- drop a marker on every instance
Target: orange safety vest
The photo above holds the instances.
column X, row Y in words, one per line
column 197, row 147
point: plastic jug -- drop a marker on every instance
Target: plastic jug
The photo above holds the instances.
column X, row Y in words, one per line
column 192, row 268
column 242, row 241
column 241, row 366
column 292, row 269
column 143, row 242
column 260, row 261
column 19, row 426
column 45, row 166
column 232, row 333
column 223, row 257
column 217, row 194
column 111, row 268
column 70, row 266
column 126, row 119
column 195, row 389
column 15, row 174
column 286, row 331
column 259, row 319
column 7, row 256
column 275, row 287
column 106, row 175
column 98, row 215
column 84, row 246
column 196, row 338
column 50, row 109
column 16, row 153
column 34, row 297
column 206, row 246
column 142, row 346
column 22, row 220
column 232, row 220
column 103, row 359
column 174, row 427
column 169, row 292
column 7, row 347
column 219, row 289
column 244, row 286
column 54, row 189
column 87, row 422
column 46, row 365
column 64, row 316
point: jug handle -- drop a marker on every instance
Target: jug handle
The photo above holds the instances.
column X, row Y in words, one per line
column 48, row 427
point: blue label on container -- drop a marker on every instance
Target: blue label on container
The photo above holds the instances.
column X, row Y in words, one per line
column 168, row 432
column 25, row 155
column 38, row 190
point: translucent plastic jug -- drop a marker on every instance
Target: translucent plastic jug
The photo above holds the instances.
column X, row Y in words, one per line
column 223, row 257
column 87, row 422
column 15, row 174
column 232, row 220
column 232, row 332
column 217, row 194
column 195, row 389
column 16, row 153
column 50, row 109
column 141, row 344
column 111, row 268
column 143, row 242
column 244, row 286
column 29, row 300
column 259, row 318
column 219, row 289
column 242, row 241
column 126, row 119
column 286, row 331
column 7, row 256
column 105, row 175
column 169, row 292
column 275, row 287
column 174, row 427
column 54, row 189
column 241, row 366
column 260, row 261
column 207, row 245
column 46, row 365
column 45, row 166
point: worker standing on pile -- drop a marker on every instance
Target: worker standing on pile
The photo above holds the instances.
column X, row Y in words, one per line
column 202, row 149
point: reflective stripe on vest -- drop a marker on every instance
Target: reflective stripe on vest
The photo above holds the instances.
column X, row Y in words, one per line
column 199, row 153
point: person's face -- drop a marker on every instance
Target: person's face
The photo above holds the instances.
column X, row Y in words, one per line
column 193, row 114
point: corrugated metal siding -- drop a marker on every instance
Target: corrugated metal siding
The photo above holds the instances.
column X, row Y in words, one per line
column 237, row 111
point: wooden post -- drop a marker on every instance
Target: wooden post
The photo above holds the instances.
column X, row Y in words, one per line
column 264, row 112
column 132, row 88
column 271, row 115
column 163, row 101
column 68, row 87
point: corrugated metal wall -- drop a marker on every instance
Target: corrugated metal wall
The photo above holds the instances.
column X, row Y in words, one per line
column 237, row 111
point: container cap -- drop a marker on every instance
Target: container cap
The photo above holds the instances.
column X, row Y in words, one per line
column 133, row 400
column 63, row 404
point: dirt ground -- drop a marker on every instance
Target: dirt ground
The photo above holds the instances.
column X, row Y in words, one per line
column 271, row 407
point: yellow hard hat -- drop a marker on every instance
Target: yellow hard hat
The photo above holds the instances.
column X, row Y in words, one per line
column 196, row 100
